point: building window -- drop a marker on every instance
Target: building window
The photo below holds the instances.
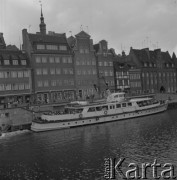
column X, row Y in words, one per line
column 111, row 73
column 100, row 63
column 62, row 48
column 52, row 71
column 40, row 46
column 51, row 59
column 15, row 86
column 8, row 87
column 27, row 86
column 44, row 71
column 106, row 73
column 38, row 71
column 13, row 74
column 59, row 82
column 69, row 60
column 57, row 59
column 88, row 62
column 64, row 60
column 6, row 62
column 39, row 83
column 105, row 63
column 15, row 62
column 46, row 83
column 86, row 51
column 58, row 71
column 65, row 71
column 20, row 74
column 52, row 47
column 94, row 71
column 21, row 86
column 110, row 63
column 93, row 62
column 26, row 73
column 84, row 72
column 38, row 59
column 70, row 71
column 81, row 51
column 2, row 88
column 23, row 62
column 77, row 62
column 1, row 74
column 54, row 83
column 78, row 72
column 145, row 64
column 44, row 59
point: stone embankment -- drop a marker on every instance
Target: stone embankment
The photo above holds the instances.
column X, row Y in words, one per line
column 167, row 96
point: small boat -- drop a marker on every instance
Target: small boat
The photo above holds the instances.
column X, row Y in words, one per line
column 115, row 107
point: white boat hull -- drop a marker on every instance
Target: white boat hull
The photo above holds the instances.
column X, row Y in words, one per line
column 37, row 127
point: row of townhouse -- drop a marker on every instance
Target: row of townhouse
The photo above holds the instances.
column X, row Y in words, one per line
column 52, row 68
column 146, row 71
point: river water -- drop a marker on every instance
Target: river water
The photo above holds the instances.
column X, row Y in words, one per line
column 79, row 153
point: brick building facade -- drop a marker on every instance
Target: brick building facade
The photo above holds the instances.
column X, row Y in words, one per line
column 85, row 65
column 158, row 70
column 52, row 63
column 15, row 76
column 105, row 71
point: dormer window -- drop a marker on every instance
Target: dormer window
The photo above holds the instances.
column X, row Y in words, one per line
column 6, row 62
column 62, row 48
column 23, row 62
column 167, row 65
column 52, row 47
column 15, row 62
column 40, row 46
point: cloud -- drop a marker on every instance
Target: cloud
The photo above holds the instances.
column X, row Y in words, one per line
column 119, row 22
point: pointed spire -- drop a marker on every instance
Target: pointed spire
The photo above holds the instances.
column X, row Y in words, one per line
column 42, row 24
column 41, row 11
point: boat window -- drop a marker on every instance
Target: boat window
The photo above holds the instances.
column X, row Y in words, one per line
column 91, row 109
column 123, row 104
column 112, row 107
column 104, row 108
column 118, row 105
column 99, row 108
column 129, row 104
column 78, row 110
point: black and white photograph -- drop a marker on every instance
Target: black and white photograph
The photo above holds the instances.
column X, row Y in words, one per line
column 88, row 89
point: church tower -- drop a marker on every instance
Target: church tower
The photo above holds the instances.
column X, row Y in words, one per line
column 2, row 42
column 42, row 24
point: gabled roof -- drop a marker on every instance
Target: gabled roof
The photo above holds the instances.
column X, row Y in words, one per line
column 96, row 47
column 71, row 41
column 13, row 55
column 83, row 34
column 149, row 56
column 59, row 38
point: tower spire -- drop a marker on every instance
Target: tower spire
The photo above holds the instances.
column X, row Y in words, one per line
column 42, row 24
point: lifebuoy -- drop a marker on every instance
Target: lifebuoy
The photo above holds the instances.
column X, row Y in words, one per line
column 105, row 112
column 80, row 115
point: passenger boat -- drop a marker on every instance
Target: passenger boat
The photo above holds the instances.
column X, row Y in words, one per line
column 115, row 107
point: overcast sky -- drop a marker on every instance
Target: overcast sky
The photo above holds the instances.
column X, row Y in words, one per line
column 123, row 23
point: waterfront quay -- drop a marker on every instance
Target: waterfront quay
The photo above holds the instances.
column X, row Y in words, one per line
column 20, row 117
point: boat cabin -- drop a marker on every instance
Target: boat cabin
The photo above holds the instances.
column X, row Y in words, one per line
column 116, row 97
